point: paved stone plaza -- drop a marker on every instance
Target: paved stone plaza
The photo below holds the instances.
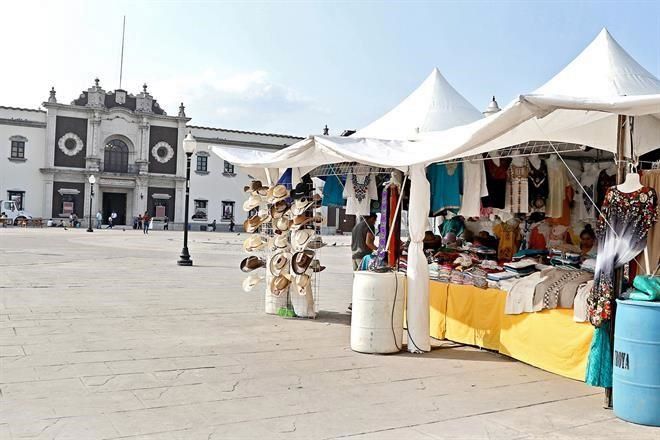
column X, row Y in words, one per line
column 103, row 336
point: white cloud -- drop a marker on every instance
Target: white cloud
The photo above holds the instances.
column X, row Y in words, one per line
column 249, row 101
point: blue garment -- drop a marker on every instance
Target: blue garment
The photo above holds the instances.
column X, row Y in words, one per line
column 599, row 364
column 285, row 179
column 332, row 192
column 446, row 187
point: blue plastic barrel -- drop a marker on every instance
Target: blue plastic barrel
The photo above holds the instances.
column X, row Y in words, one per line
column 636, row 376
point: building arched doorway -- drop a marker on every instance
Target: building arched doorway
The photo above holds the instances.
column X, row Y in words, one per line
column 115, row 156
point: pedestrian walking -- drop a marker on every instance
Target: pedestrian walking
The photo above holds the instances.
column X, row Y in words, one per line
column 99, row 219
column 109, row 222
column 214, row 225
column 166, row 226
column 145, row 221
column 231, row 224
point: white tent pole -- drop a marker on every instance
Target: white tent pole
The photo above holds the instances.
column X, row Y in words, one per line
column 417, row 304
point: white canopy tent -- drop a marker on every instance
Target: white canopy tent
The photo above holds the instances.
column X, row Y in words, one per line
column 579, row 105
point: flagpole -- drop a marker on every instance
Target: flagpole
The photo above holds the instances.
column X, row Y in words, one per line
column 121, row 64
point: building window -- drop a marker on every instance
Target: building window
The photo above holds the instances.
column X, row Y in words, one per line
column 115, row 157
column 229, row 169
column 17, row 149
column 18, row 197
column 202, row 163
column 227, row 210
column 201, row 211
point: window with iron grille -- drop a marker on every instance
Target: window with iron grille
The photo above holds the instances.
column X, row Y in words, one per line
column 201, row 211
column 202, row 163
column 229, row 168
column 18, row 149
column 227, row 210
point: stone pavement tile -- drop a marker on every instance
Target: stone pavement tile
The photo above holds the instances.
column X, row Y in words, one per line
column 140, row 366
column 178, row 395
column 66, row 428
column 43, row 389
column 400, row 434
column 610, row 428
column 5, row 431
column 119, row 382
column 155, row 420
column 11, row 350
column 93, row 404
column 473, row 428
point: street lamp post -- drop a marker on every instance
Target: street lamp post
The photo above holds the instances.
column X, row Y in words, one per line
column 92, row 180
column 189, row 145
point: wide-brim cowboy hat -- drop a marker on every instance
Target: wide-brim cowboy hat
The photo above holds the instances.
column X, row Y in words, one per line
column 257, row 188
column 302, row 220
column 302, row 283
column 300, row 238
column 253, row 223
column 251, row 263
column 315, row 243
column 277, row 193
column 278, row 242
column 254, row 243
column 279, row 263
column 279, row 209
column 301, row 260
column 280, row 284
column 252, row 202
column 301, row 205
column 251, row 281
column 316, row 266
column 282, row 224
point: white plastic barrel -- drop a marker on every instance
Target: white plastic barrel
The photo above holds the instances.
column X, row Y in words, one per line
column 375, row 328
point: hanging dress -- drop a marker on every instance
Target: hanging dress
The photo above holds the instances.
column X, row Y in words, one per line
column 517, row 197
column 605, row 182
column 359, row 191
column 446, row 187
column 496, row 177
column 474, row 188
column 585, row 208
column 557, row 184
column 538, row 187
column 621, row 231
column 333, row 192
column 394, row 249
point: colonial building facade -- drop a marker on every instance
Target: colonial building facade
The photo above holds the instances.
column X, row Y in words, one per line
column 132, row 147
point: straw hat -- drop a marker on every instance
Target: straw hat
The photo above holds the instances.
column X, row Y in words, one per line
column 301, row 260
column 282, row 224
column 316, row 266
column 252, row 202
column 301, row 220
column 254, row 243
column 251, row 263
column 300, row 238
column 315, row 243
column 301, row 205
column 301, row 283
column 279, row 263
column 278, row 242
column 279, row 284
column 277, row 193
column 253, row 223
column 256, row 187
column 279, row 209
column 251, row 281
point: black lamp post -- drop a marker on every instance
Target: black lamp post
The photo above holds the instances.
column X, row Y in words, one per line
column 189, row 145
column 92, row 180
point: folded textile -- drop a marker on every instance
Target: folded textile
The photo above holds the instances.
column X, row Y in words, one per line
column 497, row 276
column 580, row 302
column 520, row 298
column 559, row 288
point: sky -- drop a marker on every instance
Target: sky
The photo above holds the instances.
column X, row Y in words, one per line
column 293, row 67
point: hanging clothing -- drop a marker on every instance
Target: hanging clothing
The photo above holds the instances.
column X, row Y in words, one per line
column 474, row 188
column 333, row 192
column 359, row 191
column 557, row 182
column 496, row 177
column 394, row 249
column 565, row 217
column 384, row 225
column 446, row 186
column 651, row 178
column 538, row 187
column 509, row 240
column 517, row 197
column 454, row 226
column 538, row 238
column 621, row 231
column 585, row 208
column 605, row 182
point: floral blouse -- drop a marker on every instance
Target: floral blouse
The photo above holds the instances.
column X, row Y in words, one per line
column 621, row 231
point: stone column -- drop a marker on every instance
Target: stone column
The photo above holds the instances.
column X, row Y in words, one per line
column 180, row 201
column 51, row 121
column 94, row 149
column 140, row 196
column 142, row 158
column 47, row 206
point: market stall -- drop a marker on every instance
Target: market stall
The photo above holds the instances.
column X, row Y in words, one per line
column 582, row 106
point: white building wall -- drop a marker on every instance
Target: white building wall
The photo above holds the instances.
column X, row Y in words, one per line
column 23, row 175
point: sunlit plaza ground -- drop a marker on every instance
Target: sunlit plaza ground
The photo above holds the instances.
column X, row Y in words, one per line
column 103, row 336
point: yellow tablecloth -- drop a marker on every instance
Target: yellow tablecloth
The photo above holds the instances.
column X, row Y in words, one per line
column 549, row 340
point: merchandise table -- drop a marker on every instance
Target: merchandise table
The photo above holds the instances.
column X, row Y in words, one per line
column 550, row 339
